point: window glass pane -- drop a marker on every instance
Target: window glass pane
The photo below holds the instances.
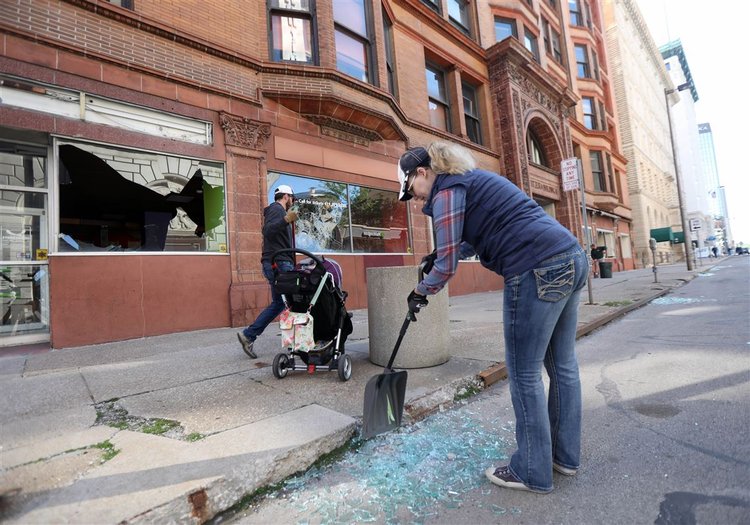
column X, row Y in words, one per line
column 20, row 169
column 575, row 13
column 351, row 57
column 23, row 299
column 351, row 13
column 471, row 114
column 504, row 28
column 291, row 39
column 295, row 5
column 378, row 221
column 323, row 224
column 23, row 225
column 530, row 42
column 435, row 86
column 457, row 11
column 123, row 200
column 438, row 115
column 389, row 62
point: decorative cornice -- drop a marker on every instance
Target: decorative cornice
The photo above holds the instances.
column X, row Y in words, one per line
column 344, row 130
column 244, row 132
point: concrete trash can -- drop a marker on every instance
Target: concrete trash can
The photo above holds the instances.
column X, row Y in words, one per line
column 427, row 341
column 605, row 269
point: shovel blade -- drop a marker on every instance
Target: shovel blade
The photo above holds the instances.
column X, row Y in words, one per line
column 384, row 403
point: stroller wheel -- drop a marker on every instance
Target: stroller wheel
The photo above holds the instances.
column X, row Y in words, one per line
column 280, row 365
column 345, row 367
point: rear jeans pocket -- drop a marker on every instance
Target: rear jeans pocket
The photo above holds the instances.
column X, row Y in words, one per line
column 555, row 282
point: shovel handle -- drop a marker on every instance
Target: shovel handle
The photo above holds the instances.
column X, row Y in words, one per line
column 409, row 318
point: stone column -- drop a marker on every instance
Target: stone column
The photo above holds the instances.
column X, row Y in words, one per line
column 427, row 341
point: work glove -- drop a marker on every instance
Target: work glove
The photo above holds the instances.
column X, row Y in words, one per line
column 291, row 216
column 428, row 261
column 416, row 303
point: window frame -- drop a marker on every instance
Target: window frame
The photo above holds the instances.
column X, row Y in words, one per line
column 474, row 119
column 536, row 154
column 390, row 60
column 309, row 15
column 593, row 122
column 509, row 21
column 529, row 38
column 584, row 66
column 445, row 104
column 464, row 28
column 365, row 40
column 576, row 15
column 598, row 175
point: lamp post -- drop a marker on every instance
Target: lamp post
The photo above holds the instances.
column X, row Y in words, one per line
column 683, row 218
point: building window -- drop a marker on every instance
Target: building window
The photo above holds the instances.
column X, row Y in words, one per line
column 471, row 113
column 595, row 63
column 437, row 100
column 117, row 200
column 390, row 62
column 602, row 117
column 127, row 4
column 335, row 217
column 353, row 49
column 589, row 113
column 458, row 13
column 434, row 4
column 556, row 46
column 552, row 3
column 551, row 41
column 582, row 61
column 597, row 171
column 505, row 27
column 576, row 16
column 536, row 152
column 291, row 31
column 530, row 42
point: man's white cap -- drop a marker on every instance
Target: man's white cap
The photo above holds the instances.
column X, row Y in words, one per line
column 283, row 189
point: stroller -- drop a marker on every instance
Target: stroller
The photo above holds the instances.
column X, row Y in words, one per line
column 315, row 324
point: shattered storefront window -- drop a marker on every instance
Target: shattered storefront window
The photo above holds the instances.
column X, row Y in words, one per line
column 123, row 200
column 407, row 476
column 335, row 217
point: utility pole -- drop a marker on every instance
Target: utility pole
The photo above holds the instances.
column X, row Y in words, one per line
column 685, row 231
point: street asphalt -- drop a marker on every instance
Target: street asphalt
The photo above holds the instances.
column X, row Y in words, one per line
column 179, row 428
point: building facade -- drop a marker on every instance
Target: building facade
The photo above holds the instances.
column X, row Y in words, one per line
column 641, row 81
column 140, row 142
column 718, row 224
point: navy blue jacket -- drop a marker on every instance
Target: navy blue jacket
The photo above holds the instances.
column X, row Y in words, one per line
column 509, row 231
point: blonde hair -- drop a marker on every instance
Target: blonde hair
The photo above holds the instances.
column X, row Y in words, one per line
column 450, row 158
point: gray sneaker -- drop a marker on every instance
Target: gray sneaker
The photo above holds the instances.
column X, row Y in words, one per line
column 247, row 345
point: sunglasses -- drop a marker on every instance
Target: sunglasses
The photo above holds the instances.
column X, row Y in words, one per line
column 410, row 184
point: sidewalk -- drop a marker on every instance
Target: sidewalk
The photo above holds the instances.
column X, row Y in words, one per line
column 179, row 428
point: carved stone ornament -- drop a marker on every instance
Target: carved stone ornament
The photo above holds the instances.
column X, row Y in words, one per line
column 334, row 127
column 244, row 132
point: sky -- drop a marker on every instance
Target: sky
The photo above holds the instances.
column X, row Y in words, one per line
column 714, row 38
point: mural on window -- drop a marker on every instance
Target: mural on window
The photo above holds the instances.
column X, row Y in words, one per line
column 123, row 200
column 335, row 217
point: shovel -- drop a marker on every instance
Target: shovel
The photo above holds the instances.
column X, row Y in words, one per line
column 385, row 393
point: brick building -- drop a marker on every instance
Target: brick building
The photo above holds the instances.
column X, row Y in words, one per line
column 140, row 141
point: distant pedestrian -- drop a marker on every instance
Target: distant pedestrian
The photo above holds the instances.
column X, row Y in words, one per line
column 476, row 211
column 715, row 251
column 597, row 254
column 277, row 235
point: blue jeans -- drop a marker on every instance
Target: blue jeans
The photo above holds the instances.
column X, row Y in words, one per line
column 540, row 315
column 273, row 309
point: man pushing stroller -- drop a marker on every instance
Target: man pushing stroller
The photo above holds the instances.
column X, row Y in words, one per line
column 278, row 218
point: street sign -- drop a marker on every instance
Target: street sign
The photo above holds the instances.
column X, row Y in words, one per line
column 569, row 170
column 695, row 224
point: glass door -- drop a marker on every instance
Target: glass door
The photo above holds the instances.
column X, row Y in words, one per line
column 24, row 237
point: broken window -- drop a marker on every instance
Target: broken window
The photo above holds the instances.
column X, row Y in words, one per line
column 124, row 200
